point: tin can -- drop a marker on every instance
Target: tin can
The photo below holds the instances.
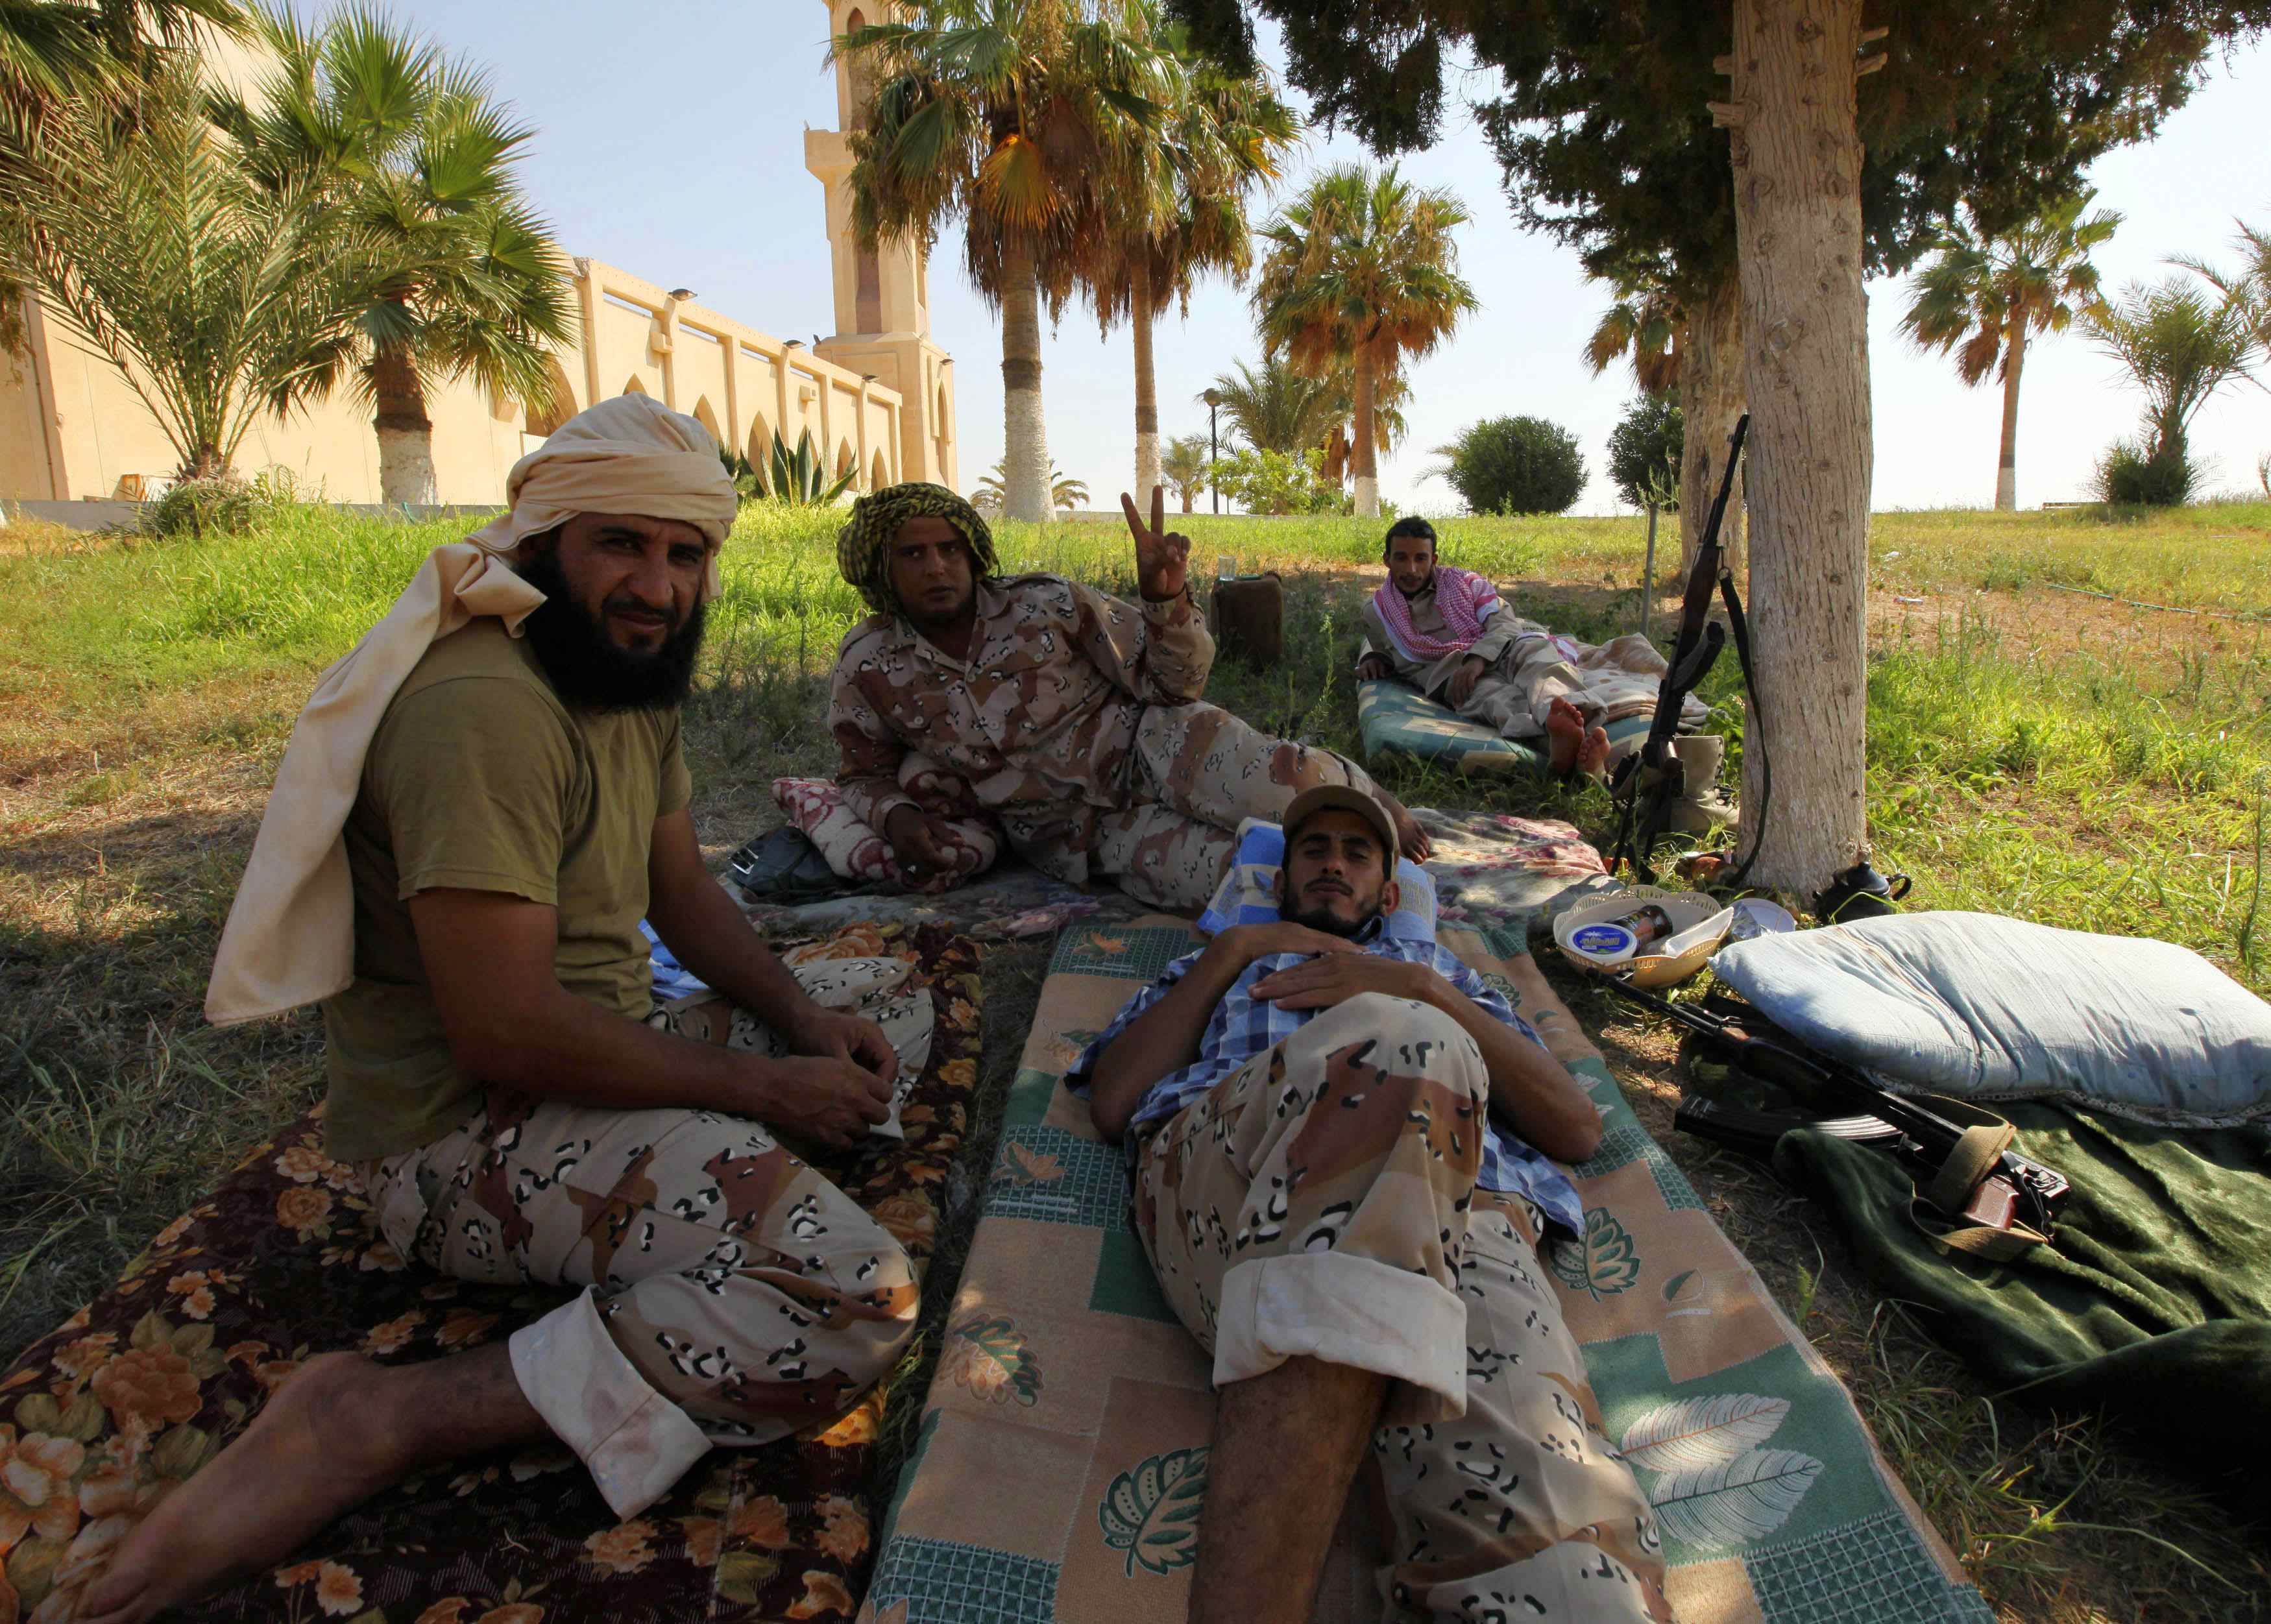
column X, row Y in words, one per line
column 1647, row 925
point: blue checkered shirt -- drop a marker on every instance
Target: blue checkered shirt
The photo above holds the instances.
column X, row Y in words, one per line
column 1243, row 1026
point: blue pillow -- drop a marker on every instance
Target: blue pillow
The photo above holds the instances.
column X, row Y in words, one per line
column 1248, row 893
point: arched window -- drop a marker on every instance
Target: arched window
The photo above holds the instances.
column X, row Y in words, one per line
column 760, row 441
column 545, row 417
column 845, row 461
column 707, row 418
column 879, row 475
column 633, row 387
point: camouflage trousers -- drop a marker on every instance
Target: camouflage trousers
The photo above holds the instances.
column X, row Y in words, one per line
column 1321, row 1201
column 732, row 1295
column 1198, row 773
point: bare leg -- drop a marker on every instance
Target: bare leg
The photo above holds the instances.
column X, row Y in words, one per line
column 341, row 1430
column 1287, row 1447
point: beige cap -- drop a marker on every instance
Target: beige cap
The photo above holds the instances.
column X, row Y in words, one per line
column 1341, row 798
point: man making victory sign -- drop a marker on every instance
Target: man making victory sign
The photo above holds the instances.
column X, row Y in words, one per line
column 1074, row 719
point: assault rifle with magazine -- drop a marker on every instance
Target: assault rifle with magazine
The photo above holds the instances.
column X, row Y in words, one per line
column 1649, row 781
column 1998, row 1200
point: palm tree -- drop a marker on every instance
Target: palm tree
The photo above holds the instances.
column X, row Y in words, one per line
column 1276, row 409
column 215, row 297
column 1184, row 466
column 1986, row 293
column 992, row 492
column 421, row 155
column 2248, row 289
column 1361, row 269
column 1388, row 424
column 1182, row 214
column 2179, row 348
column 55, row 52
column 1016, row 117
column 1647, row 324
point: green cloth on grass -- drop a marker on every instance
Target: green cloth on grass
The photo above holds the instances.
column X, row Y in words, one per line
column 2152, row 1303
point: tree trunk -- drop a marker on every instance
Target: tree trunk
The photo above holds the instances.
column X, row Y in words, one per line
column 1147, row 393
column 2006, row 472
column 1362, row 455
column 405, row 434
column 1711, row 396
column 1797, row 156
column 1026, row 470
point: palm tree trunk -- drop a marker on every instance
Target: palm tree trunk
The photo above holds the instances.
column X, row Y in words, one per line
column 1147, row 391
column 405, row 434
column 1363, row 454
column 2006, row 472
column 1711, row 396
column 1025, row 461
column 1797, row 156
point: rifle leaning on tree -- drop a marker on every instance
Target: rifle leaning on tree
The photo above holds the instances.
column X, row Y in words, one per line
column 1650, row 780
column 1974, row 1193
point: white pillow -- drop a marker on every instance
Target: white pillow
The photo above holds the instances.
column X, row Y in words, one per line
column 1984, row 1007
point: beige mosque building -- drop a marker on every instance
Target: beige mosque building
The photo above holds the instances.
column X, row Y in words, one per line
column 877, row 398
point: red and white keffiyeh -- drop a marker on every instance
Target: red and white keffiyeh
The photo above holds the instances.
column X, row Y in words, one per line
column 1467, row 600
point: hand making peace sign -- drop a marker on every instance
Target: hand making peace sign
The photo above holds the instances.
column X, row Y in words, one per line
column 1161, row 555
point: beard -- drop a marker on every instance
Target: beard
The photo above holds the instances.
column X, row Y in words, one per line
column 1332, row 924
column 1416, row 591
column 587, row 668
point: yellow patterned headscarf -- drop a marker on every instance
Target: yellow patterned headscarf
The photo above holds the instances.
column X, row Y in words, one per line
column 863, row 548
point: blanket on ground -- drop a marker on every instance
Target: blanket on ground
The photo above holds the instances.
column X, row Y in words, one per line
column 127, row 1400
column 1496, row 872
column 1396, row 718
column 1061, row 1461
column 2151, row 1303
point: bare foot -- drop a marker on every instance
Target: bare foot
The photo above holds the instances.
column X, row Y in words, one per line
column 317, row 1451
column 1593, row 755
column 1413, row 839
column 1565, row 731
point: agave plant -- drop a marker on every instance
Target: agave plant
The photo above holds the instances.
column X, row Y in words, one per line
column 797, row 477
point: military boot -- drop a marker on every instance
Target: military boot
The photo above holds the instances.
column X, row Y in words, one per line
column 1702, row 807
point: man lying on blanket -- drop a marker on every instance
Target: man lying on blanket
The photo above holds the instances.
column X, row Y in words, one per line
column 1332, row 1132
column 1074, row 719
column 1445, row 632
column 501, row 759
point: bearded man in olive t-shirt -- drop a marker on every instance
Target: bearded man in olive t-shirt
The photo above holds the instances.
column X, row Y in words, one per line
column 515, row 1110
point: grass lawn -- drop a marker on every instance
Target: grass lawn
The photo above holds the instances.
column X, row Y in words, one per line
column 2037, row 747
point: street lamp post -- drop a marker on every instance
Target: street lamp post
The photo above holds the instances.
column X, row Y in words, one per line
column 1213, row 398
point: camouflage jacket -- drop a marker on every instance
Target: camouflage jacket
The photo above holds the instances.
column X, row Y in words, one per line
column 1041, row 720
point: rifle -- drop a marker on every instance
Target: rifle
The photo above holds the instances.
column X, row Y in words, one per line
column 1651, row 779
column 1965, row 1172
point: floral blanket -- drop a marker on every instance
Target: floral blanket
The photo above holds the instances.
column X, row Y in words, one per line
column 124, row 1403
column 1061, row 1465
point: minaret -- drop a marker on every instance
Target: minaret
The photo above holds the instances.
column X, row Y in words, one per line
column 882, row 299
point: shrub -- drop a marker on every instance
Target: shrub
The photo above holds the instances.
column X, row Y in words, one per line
column 2133, row 474
column 1273, row 482
column 1514, row 464
column 221, row 506
column 1644, row 452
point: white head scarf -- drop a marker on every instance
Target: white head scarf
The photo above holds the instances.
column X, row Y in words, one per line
column 290, row 936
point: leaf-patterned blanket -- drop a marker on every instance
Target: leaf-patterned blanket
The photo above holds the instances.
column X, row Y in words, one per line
column 140, row 1388
column 1062, row 1461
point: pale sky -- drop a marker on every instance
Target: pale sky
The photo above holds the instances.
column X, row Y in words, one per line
column 671, row 145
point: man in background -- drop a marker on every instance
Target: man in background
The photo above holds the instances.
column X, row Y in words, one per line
column 1074, row 718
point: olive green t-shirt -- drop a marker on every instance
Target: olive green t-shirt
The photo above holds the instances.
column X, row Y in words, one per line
column 480, row 778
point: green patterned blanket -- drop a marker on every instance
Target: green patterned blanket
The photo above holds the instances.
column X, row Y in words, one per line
column 1062, row 1456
